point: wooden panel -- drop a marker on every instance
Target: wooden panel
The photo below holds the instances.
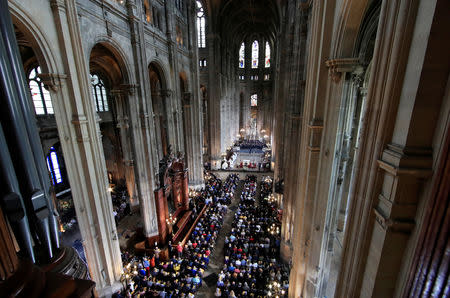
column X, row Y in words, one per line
column 8, row 258
column 430, row 270
column 161, row 212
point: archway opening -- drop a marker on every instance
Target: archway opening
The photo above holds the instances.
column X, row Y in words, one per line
column 110, row 96
column 159, row 94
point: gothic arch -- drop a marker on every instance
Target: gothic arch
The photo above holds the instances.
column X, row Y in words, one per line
column 119, row 54
column 160, row 66
column 160, row 101
column 351, row 18
column 106, row 58
column 365, row 41
column 37, row 40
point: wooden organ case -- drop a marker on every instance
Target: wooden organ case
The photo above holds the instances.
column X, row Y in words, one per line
column 172, row 198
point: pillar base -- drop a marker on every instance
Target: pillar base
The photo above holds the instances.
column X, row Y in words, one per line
column 108, row 291
column 197, row 185
column 286, row 251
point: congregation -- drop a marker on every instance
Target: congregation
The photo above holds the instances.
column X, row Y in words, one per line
column 252, row 267
column 182, row 274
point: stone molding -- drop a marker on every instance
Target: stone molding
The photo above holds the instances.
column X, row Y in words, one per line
column 337, row 67
column 124, row 89
column 396, row 225
column 52, row 81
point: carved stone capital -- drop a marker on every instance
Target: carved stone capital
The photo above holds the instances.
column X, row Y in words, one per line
column 58, row 4
column 124, row 90
column 52, row 81
column 337, row 67
column 122, row 122
column 357, row 79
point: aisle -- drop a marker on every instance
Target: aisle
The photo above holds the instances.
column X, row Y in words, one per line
column 217, row 256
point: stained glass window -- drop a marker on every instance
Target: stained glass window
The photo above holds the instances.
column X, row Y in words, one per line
column 53, row 166
column 242, row 56
column 201, row 25
column 99, row 93
column 254, row 100
column 41, row 97
column 255, row 53
column 267, row 60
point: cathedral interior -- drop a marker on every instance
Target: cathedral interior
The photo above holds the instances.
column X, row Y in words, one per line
column 268, row 148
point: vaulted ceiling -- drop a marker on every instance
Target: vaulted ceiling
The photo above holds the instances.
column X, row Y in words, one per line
column 235, row 20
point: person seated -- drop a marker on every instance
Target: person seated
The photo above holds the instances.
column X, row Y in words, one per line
column 196, row 280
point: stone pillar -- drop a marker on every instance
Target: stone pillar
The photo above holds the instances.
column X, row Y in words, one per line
column 349, row 150
column 165, row 104
column 193, row 137
column 141, row 125
column 214, row 99
column 83, row 152
column 120, row 100
column 289, row 89
column 332, row 171
column 302, row 282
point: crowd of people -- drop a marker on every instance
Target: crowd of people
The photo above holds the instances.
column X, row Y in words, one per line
column 120, row 202
column 182, row 274
column 252, row 267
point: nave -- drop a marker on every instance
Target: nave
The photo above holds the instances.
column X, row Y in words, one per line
column 233, row 251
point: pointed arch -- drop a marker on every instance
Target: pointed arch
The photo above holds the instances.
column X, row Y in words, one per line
column 242, row 55
column 255, row 54
column 201, row 25
column 267, row 55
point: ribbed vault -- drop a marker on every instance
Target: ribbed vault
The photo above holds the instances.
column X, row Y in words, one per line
column 239, row 19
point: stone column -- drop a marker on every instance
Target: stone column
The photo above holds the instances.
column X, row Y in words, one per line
column 83, row 152
column 193, row 141
column 141, row 125
column 119, row 95
column 167, row 105
column 349, row 149
column 165, row 108
column 214, row 99
column 175, row 128
column 316, row 85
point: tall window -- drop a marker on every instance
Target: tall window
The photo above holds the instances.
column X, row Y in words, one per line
column 254, row 100
column 267, row 60
column 99, row 93
column 242, row 56
column 255, row 53
column 41, row 97
column 53, row 166
column 201, row 25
